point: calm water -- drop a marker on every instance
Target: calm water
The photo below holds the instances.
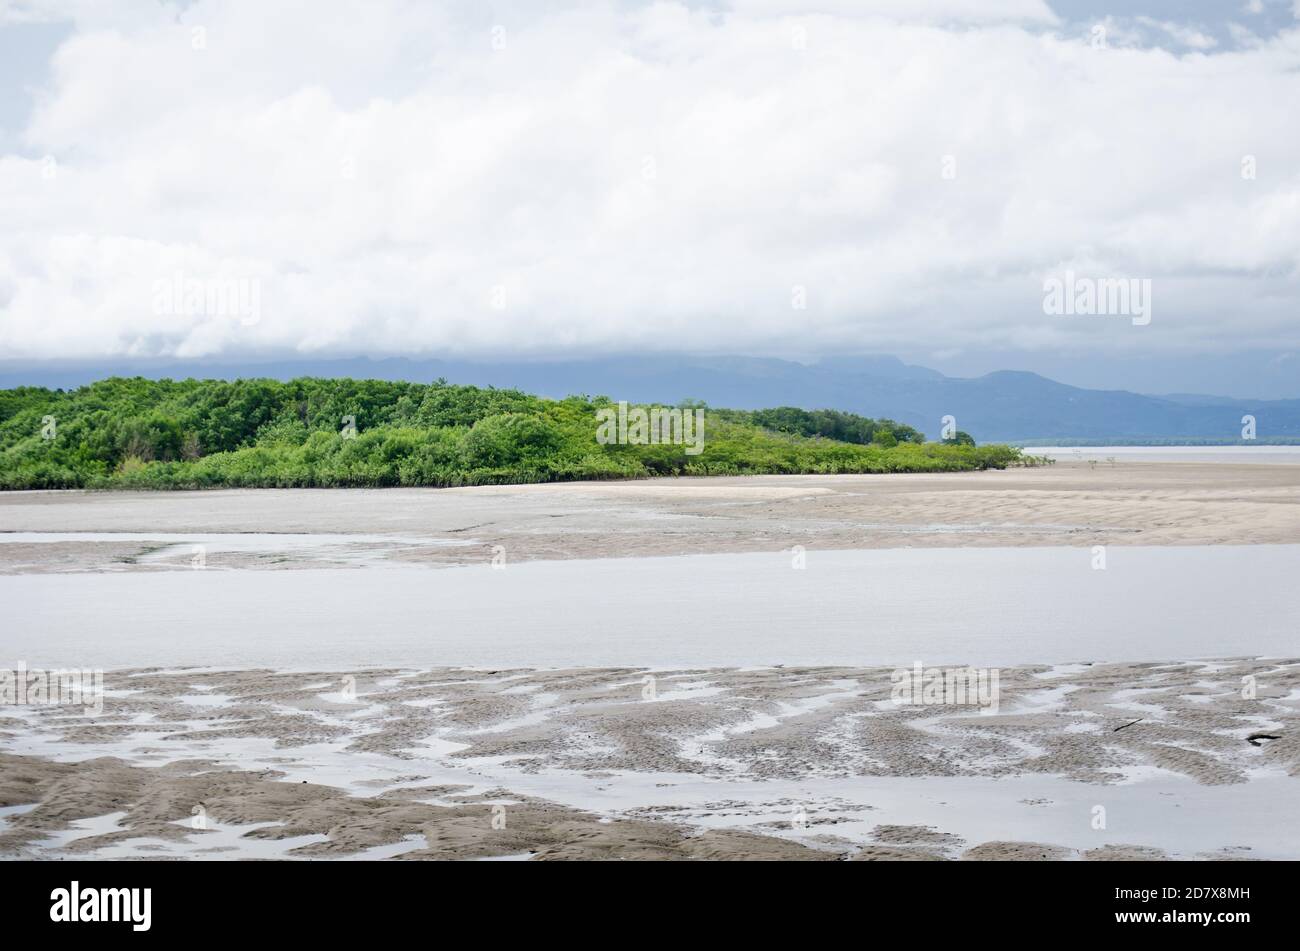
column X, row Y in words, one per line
column 991, row 607
column 1264, row 455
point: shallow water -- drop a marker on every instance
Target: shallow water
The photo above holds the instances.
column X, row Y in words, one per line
column 357, row 550
column 227, row 541
column 988, row 607
column 1263, row 455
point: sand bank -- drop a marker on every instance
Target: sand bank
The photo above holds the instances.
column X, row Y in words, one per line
column 1077, row 504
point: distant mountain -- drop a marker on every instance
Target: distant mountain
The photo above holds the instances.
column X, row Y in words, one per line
column 1004, row 406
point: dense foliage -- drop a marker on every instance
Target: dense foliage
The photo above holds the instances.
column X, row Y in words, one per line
column 830, row 423
column 138, row 433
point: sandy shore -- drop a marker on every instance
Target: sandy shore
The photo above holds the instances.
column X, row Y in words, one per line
column 804, row 763
column 1093, row 760
column 1077, row 504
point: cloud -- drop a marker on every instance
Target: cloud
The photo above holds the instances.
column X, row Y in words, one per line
column 928, row 11
column 395, row 178
column 1187, row 36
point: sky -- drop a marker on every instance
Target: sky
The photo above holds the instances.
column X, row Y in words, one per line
column 243, row 180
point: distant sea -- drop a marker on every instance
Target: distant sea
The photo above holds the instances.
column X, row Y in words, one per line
column 1265, row 455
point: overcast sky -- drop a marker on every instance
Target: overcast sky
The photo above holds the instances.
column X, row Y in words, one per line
column 505, row 180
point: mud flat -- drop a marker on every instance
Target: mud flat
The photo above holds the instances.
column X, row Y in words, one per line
column 682, row 669
column 802, row 763
column 1073, row 503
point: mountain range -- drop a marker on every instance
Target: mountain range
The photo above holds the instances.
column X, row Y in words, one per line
column 1008, row 405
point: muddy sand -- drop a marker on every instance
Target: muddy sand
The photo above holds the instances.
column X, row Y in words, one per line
column 1097, row 761
column 1076, row 504
column 791, row 763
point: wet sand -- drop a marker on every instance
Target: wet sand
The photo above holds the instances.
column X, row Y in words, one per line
column 1100, row 761
column 795, row 763
column 1076, row 504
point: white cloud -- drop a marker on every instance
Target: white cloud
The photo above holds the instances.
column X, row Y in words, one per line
column 651, row 176
column 1187, row 36
column 930, row 11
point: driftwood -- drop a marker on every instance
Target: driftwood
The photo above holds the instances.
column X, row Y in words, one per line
column 1127, row 725
column 1257, row 739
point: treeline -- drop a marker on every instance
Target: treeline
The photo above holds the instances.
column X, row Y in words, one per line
column 138, row 433
column 827, row 423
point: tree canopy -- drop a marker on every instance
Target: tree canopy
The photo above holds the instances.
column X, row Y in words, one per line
column 138, row 433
